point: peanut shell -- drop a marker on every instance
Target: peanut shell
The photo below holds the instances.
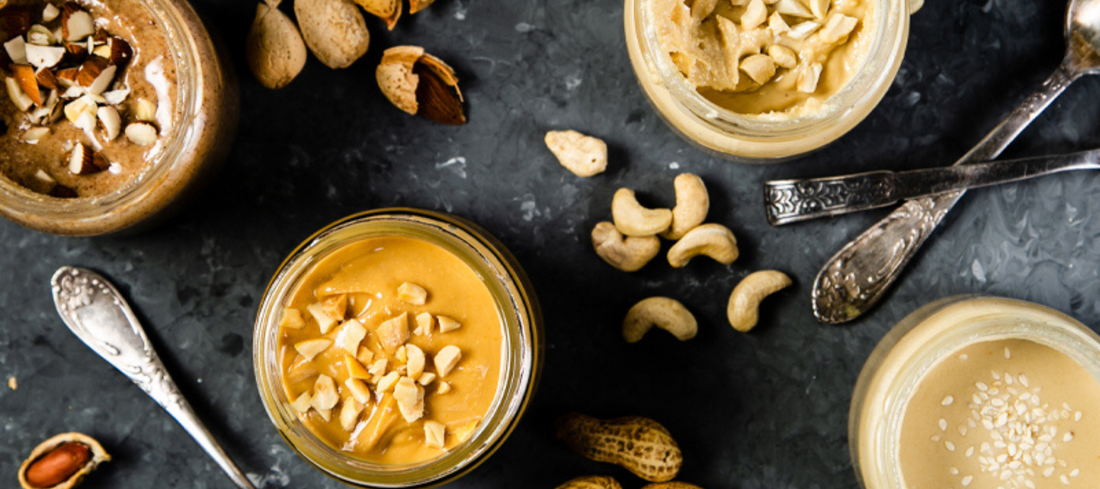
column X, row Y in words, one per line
column 638, row 444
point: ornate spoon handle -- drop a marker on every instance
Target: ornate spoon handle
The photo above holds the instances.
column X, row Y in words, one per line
column 857, row 277
column 97, row 314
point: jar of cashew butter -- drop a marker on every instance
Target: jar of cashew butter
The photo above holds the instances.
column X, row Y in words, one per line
column 765, row 80
column 980, row 393
column 397, row 348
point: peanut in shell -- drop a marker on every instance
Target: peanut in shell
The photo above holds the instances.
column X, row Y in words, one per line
column 638, row 444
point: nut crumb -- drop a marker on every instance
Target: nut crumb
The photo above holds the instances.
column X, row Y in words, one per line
column 13, row 383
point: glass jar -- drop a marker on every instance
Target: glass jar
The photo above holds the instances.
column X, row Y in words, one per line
column 205, row 118
column 928, row 335
column 521, row 325
column 757, row 138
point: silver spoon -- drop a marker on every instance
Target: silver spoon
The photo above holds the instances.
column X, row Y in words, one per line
column 857, row 277
column 788, row 201
column 97, row 314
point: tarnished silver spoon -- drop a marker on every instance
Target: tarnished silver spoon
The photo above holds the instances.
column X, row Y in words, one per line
column 858, row 276
column 97, row 314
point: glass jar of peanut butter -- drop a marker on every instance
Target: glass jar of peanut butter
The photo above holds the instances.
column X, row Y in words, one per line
column 397, row 348
column 979, row 393
column 765, row 80
column 115, row 112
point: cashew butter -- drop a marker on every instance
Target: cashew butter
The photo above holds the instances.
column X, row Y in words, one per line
column 765, row 57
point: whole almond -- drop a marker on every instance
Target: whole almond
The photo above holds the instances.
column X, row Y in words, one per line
column 334, row 30
column 275, row 50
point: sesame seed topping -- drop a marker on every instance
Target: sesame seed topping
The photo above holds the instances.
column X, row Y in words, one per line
column 943, row 424
column 1008, row 354
column 967, row 480
column 947, row 401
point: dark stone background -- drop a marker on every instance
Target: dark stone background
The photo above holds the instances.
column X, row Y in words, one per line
column 763, row 410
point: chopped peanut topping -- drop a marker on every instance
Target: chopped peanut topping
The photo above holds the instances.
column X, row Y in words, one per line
column 423, row 324
column 446, row 359
column 387, row 382
column 446, row 324
column 292, row 318
column 324, row 321
column 359, row 390
column 411, row 293
column 434, row 434
column 394, row 332
column 415, row 361
column 310, row 348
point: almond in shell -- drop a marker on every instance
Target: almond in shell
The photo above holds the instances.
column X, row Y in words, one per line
column 275, row 50
column 334, row 30
column 421, row 84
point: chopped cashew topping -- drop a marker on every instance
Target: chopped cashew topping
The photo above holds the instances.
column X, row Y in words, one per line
column 302, row 403
column 351, row 333
column 444, row 387
column 359, row 390
column 446, row 359
column 423, row 324
column 411, row 293
column 324, row 393
column 324, row 321
column 416, row 361
column 426, row 378
column 356, row 369
column 310, row 348
column 349, row 413
column 387, row 382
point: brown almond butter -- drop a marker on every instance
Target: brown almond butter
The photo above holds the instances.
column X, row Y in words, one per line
column 15, row 21
column 121, row 51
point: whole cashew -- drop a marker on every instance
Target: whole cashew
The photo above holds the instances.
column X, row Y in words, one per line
column 634, row 220
column 713, row 240
column 744, row 305
column 662, row 312
column 628, row 254
column 692, row 204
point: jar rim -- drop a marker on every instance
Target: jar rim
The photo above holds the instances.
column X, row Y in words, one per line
column 924, row 338
column 24, row 205
column 520, row 321
column 769, row 137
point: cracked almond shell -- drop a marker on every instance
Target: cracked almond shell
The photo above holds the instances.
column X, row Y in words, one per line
column 421, row 84
column 387, row 10
column 275, row 51
column 334, row 30
column 97, row 456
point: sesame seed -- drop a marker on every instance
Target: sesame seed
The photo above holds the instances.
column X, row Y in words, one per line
column 1023, row 380
column 1075, row 473
column 962, row 429
column 1069, row 437
column 947, row 401
column 1049, row 471
column 964, row 356
column 969, row 452
column 943, row 424
column 1008, row 354
column 981, row 386
column 1064, row 479
column 950, row 446
column 1077, row 416
column 967, row 480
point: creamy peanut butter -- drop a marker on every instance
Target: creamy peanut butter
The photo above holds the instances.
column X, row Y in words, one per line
column 391, row 350
column 1009, row 414
column 765, row 57
column 37, row 142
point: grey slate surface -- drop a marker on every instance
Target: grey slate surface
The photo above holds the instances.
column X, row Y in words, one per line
column 764, row 410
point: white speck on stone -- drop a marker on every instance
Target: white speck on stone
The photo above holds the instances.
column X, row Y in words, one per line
column 460, row 12
column 13, row 383
column 524, row 27
column 675, row 165
column 456, row 165
column 573, row 81
column 978, row 271
column 529, row 208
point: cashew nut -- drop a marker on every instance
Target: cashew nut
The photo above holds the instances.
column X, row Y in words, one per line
column 662, row 312
column 713, row 240
column 744, row 306
column 585, row 156
column 634, row 220
column 628, row 254
column 692, row 204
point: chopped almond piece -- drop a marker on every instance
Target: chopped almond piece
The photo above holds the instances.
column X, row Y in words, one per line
column 426, row 378
column 415, row 361
column 411, row 293
column 47, row 79
column 145, row 111
column 143, row 134
column 76, row 24
column 111, row 121
column 302, row 403
column 121, row 52
column 50, row 13
column 356, row 370
column 28, row 81
column 292, row 318
column 310, row 348
column 325, row 321
column 324, row 393
column 359, row 390
column 66, row 77
column 350, row 335
column 446, row 359
column 434, row 434
column 387, row 382
column 446, row 324
column 337, row 306
column 82, row 161
column 349, row 414
column 18, row 97
column 423, row 324
column 365, row 356
column 394, row 332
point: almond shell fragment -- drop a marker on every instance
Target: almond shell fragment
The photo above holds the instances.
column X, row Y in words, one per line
column 421, row 84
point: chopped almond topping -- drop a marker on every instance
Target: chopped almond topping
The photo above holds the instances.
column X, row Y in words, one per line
column 324, row 321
